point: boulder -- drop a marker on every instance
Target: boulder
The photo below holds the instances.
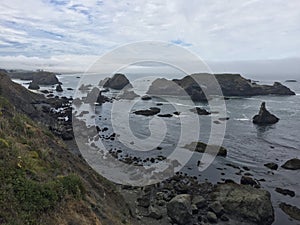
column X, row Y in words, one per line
column 33, row 86
column 117, row 82
column 245, row 203
column 146, row 97
column 59, row 88
column 292, row 164
column 148, row 112
column 272, row 166
column 179, row 209
column 246, row 180
column 211, row 217
column 264, row 117
column 202, row 147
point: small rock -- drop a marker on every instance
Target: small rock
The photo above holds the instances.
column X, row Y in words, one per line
column 272, row 166
column 146, row 97
column 154, row 213
column 290, row 210
column 199, row 201
column 179, row 209
column 217, row 208
column 292, row 164
column 59, row 88
column 211, row 217
column 246, row 180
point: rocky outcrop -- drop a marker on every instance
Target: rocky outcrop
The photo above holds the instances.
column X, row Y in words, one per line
column 264, row 117
column 59, row 88
column 200, row 111
column 285, row 191
column 202, row 147
column 128, row 95
column 245, row 202
column 292, row 164
column 117, row 82
column 230, row 84
column 272, row 166
column 95, row 96
column 33, row 86
column 37, row 77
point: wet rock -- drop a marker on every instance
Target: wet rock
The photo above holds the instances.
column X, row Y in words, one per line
column 272, row 166
column 285, row 191
column 165, row 115
column 146, row 97
column 200, row 111
column 292, row 211
column 59, row 88
column 292, row 164
column 245, row 203
column 211, row 217
column 264, row 117
column 202, row 147
column 117, row 82
column 217, row 208
column 33, row 86
column 179, row 209
column 148, row 112
column 246, row 180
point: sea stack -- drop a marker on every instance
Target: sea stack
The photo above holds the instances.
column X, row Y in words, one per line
column 264, row 117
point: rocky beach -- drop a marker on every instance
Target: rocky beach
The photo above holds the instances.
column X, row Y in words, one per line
column 233, row 190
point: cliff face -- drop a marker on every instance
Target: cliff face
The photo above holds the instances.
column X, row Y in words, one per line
column 41, row 181
column 230, row 84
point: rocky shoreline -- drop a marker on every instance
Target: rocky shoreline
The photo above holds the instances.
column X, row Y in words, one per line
column 182, row 199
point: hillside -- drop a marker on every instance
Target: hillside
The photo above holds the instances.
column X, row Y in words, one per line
column 41, row 181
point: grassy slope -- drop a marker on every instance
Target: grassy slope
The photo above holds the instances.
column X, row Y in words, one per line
column 42, row 183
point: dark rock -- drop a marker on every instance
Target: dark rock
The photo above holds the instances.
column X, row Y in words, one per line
column 290, row 210
column 70, row 89
column 264, row 117
column 148, row 112
column 38, row 77
column 45, row 91
column 224, row 218
column 165, row 115
column 224, row 118
column 245, row 202
column 285, row 192
column 291, row 81
column 59, row 88
column 117, row 82
column 179, row 209
column 146, row 97
column 272, row 166
column 176, row 113
column 155, row 213
column 217, row 208
column 292, row 164
column 246, row 180
column 200, row 111
column 202, row 147
column 231, row 85
column 33, row 86
column 199, row 201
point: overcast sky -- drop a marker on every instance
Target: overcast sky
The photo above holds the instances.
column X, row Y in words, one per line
column 71, row 34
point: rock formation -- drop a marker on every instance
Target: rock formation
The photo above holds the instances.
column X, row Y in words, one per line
column 37, row 77
column 117, row 82
column 264, row 117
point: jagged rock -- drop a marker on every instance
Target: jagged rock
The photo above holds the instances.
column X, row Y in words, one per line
column 95, row 96
column 245, row 202
column 285, row 191
column 59, row 88
column 202, row 147
column 148, row 112
column 290, row 210
column 33, row 86
column 272, row 166
column 118, row 82
column 292, row 164
column 264, row 117
column 200, row 111
column 179, row 209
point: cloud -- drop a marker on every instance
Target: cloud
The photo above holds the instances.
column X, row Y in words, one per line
column 215, row 30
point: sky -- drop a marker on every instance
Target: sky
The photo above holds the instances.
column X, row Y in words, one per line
column 69, row 35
